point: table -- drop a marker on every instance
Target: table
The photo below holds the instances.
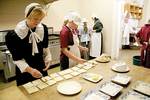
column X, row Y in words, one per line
column 50, row 93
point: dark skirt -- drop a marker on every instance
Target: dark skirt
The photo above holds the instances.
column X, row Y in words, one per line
column 147, row 59
column 64, row 62
column 22, row 78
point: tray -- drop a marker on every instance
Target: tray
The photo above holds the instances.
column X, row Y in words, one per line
column 92, row 77
column 142, row 87
column 69, row 87
column 132, row 95
column 110, row 88
column 95, row 95
column 121, row 79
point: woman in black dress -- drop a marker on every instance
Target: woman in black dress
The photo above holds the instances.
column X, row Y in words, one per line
column 28, row 44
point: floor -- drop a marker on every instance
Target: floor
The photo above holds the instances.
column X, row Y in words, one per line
column 125, row 55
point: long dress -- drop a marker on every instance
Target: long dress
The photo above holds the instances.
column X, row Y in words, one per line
column 144, row 36
column 68, row 40
column 22, row 49
column 96, row 39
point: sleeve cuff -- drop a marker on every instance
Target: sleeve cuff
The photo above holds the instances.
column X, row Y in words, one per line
column 47, row 53
column 22, row 65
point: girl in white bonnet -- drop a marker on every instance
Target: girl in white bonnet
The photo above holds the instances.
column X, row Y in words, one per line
column 28, row 44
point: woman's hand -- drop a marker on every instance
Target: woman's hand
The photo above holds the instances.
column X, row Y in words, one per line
column 81, row 61
column 47, row 64
column 85, row 49
column 34, row 72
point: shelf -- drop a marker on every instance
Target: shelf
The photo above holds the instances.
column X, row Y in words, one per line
column 135, row 11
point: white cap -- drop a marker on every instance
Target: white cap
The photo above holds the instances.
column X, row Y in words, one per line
column 66, row 17
column 74, row 16
column 94, row 16
column 29, row 7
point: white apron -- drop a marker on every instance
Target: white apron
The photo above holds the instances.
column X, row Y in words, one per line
column 75, row 50
column 95, row 48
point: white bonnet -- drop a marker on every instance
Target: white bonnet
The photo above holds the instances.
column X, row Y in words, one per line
column 29, row 7
column 94, row 16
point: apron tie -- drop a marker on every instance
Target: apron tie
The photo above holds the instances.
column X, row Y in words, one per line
column 34, row 39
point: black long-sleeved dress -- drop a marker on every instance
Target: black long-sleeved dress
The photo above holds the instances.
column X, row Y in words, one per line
column 22, row 49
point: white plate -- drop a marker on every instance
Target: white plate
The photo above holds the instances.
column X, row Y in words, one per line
column 120, row 70
column 132, row 95
column 92, row 77
column 110, row 88
column 69, row 87
column 121, row 79
column 142, row 87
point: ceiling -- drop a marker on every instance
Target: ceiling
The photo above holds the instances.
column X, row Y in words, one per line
column 48, row 1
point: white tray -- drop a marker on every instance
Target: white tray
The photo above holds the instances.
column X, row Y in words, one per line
column 142, row 87
column 121, row 79
column 92, row 77
column 95, row 95
column 132, row 95
column 110, row 88
column 69, row 87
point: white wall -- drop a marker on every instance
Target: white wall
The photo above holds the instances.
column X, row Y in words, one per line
column 12, row 11
column 58, row 10
column 102, row 8
column 146, row 14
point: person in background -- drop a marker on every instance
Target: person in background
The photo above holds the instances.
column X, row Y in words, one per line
column 143, row 40
column 28, row 44
column 96, row 38
column 84, row 34
column 70, row 53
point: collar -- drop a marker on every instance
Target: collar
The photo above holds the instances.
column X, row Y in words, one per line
column 22, row 30
column 34, row 38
